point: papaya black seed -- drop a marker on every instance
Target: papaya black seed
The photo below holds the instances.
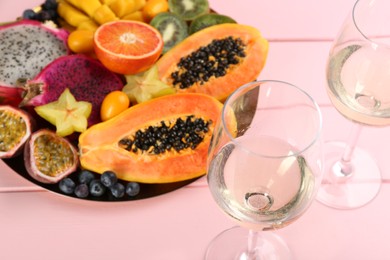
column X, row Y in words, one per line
column 181, row 134
column 212, row 60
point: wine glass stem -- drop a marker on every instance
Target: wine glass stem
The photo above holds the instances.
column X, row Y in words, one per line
column 345, row 164
column 252, row 244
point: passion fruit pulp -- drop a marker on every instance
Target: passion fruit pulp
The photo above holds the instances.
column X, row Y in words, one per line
column 48, row 157
column 15, row 129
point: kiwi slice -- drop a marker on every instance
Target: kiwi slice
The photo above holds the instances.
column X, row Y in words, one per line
column 207, row 20
column 172, row 28
column 188, row 10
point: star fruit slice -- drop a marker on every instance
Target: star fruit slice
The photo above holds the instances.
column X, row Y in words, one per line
column 67, row 114
column 146, row 85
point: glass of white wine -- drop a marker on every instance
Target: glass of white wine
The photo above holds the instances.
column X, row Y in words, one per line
column 358, row 84
column 264, row 167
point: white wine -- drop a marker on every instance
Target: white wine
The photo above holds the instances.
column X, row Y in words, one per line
column 261, row 192
column 358, row 78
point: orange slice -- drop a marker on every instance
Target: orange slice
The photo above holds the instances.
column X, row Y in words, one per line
column 127, row 47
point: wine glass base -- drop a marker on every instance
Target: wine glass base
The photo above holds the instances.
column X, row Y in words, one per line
column 231, row 244
column 353, row 191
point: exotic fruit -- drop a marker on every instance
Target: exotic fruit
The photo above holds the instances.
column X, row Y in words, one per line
column 16, row 128
column 67, row 114
column 48, row 158
column 128, row 47
column 215, row 60
column 87, row 79
column 159, row 141
column 26, row 47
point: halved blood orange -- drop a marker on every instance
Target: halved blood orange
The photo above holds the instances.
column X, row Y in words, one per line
column 127, row 47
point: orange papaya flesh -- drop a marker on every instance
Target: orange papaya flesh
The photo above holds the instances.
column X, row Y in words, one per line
column 103, row 146
column 245, row 39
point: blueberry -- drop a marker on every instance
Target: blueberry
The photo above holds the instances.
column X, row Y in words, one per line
column 132, row 189
column 108, row 178
column 49, row 5
column 118, row 190
column 86, row 176
column 96, row 188
column 67, row 185
column 53, row 14
column 81, row 190
column 43, row 16
column 29, row 14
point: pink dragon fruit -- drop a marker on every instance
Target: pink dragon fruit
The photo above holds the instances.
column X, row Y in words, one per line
column 26, row 47
column 86, row 78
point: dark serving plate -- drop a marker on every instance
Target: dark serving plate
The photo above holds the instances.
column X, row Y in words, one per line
column 146, row 190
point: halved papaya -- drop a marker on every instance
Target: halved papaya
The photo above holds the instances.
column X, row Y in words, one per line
column 215, row 60
column 162, row 140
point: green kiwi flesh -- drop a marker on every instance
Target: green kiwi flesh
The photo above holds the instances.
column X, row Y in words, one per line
column 172, row 28
column 188, row 10
column 207, row 20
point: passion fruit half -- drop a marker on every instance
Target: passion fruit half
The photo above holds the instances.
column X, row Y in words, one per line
column 48, row 157
column 15, row 129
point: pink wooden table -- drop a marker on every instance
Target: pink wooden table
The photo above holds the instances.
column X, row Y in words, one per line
column 37, row 224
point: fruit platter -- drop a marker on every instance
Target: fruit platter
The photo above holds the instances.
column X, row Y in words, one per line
column 116, row 100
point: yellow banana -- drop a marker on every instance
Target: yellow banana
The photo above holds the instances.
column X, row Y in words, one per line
column 70, row 14
column 124, row 7
column 87, row 6
column 104, row 14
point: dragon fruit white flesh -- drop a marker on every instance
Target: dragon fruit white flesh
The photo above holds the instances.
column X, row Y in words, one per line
column 87, row 79
column 26, row 47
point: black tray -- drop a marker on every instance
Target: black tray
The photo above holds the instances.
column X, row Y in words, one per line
column 146, row 190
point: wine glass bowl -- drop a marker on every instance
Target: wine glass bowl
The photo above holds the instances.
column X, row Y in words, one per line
column 358, row 79
column 264, row 165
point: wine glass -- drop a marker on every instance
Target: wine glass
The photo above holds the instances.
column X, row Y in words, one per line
column 358, row 84
column 264, row 167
